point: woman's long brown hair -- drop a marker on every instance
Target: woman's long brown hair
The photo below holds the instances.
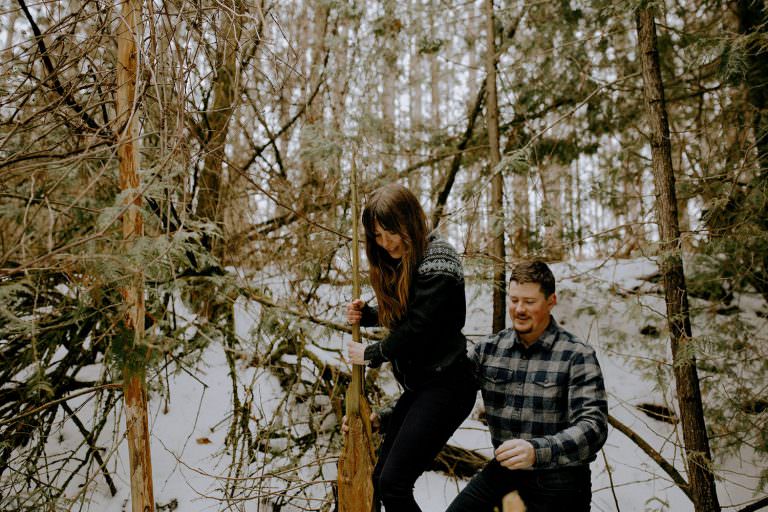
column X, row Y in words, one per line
column 398, row 211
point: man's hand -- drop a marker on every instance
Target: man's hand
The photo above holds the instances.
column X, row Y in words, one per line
column 375, row 423
column 356, row 352
column 516, row 454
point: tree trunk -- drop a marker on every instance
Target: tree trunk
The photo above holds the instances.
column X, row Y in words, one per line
column 497, row 185
column 314, row 170
column 446, row 184
column 753, row 17
column 134, row 387
column 632, row 208
column 699, row 460
column 415, row 104
column 8, row 27
column 389, row 52
column 434, row 82
column 225, row 88
column 553, row 211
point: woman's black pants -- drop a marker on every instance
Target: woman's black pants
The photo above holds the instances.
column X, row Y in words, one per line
column 420, row 425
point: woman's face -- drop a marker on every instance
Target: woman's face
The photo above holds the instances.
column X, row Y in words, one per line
column 390, row 242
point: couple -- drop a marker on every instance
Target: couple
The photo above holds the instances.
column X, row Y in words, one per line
column 542, row 387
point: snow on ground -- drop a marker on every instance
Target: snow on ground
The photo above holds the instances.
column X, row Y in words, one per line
column 190, row 460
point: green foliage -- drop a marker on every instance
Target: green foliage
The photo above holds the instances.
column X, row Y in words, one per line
column 514, row 162
column 429, row 45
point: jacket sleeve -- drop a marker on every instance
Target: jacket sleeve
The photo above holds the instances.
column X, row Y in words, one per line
column 370, row 316
column 587, row 418
column 430, row 301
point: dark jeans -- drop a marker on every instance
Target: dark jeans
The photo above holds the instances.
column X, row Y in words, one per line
column 542, row 490
column 420, row 425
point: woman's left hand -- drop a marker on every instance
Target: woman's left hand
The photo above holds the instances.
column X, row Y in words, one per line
column 356, row 352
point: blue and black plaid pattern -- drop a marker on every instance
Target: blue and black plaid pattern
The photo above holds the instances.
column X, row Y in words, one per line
column 551, row 394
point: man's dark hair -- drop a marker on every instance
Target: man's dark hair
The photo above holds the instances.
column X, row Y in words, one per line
column 535, row 271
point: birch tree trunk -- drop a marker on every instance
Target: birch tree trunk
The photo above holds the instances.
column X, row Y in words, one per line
column 497, row 185
column 134, row 385
column 699, row 461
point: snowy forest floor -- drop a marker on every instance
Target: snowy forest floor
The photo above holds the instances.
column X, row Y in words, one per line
column 612, row 304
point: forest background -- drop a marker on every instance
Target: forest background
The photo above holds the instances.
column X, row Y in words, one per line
column 194, row 152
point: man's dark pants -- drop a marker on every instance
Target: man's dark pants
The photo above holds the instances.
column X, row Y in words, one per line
column 542, row 490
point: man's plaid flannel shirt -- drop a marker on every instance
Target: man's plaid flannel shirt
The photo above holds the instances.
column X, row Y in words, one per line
column 550, row 394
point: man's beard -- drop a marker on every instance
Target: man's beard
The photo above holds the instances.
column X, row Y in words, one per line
column 521, row 331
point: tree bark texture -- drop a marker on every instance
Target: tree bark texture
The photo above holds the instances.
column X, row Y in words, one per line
column 700, row 476
column 137, row 424
column 497, row 184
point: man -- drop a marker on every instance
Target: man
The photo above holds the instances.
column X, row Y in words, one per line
column 545, row 405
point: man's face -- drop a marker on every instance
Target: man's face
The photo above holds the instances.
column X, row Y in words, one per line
column 529, row 310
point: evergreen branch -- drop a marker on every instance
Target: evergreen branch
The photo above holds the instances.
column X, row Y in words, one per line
column 668, row 468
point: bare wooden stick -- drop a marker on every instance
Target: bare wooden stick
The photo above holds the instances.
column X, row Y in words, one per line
column 357, row 458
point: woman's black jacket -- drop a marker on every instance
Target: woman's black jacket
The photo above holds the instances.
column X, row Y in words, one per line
column 428, row 339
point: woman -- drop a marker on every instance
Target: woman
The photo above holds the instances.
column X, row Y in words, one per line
column 419, row 286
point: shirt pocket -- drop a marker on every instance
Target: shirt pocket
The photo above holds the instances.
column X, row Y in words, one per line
column 496, row 384
column 546, row 393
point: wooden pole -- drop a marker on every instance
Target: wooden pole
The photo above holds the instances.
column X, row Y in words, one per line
column 355, row 391
column 357, row 458
column 134, row 386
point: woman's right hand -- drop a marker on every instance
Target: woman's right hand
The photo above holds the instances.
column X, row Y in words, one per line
column 355, row 311
column 375, row 423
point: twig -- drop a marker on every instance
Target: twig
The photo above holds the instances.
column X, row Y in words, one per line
column 60, row 400
column 755, row 506
column 88, row 436
column 610, row 480
column 653, row 454
column 52, row 71
column 325, row 323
